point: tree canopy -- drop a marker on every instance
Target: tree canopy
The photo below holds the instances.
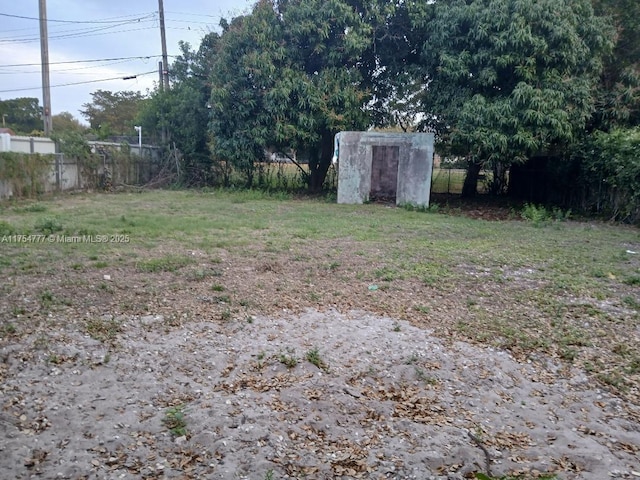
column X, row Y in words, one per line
column 112, row 113
column 66, row 122
column 618, row 95
column 286, row 77
column 508, row 79
column 500, row 82
column 24, row 114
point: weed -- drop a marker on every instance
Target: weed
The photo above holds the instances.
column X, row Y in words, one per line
column 269, row 475
column 6, row 229
column 55, row 359
column 423, row 377
column 632, row 280
column 105, row 287
column 386, row 274
column 432, row 208
column 48, row 225
column 396, row 327
column 101, row 264
column 412, row 359
column 633, row 367
column 612, row 379
column 569, row 354
column 538, row 215
column 290, row 361
column 46, row 299
column 200, row 274
column 41, row 343
column 217, row 288
column 8, row 329
column 33, row 208
column 422, row 308
column 226, row 315
column 313, row 356
column 631, row 302
column 103, row 330
column 559, row 215
column 174, row 419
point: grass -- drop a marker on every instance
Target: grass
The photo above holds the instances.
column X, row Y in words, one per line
column 313, row 357
column 565, row 288
column 169, row 263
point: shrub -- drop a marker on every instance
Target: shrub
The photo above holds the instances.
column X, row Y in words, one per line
column 610, row 173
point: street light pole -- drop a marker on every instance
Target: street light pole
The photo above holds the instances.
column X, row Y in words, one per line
column 139, row 130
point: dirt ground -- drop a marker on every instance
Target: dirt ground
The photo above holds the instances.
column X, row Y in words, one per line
column 384, row 399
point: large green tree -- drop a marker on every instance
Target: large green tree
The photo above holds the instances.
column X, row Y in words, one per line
column 618, row 96
column 287, row 77
column 508, row 79
column 112, row 113
column 23, row 115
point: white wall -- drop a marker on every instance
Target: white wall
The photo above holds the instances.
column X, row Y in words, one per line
column 32, row 145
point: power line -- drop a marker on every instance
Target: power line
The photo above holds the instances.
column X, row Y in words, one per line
column 67, row 32
column 141, row 16
column 146, row 57
column 88, row 33
column 129, row 77
column 66, row 71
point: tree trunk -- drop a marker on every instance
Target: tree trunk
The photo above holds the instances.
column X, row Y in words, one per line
column 319, row 167
column 470, row 186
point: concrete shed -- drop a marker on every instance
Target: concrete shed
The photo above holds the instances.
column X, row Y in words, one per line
column 384, row 166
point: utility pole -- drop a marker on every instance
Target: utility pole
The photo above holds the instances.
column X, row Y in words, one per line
column 163, row 39
column 44, row 54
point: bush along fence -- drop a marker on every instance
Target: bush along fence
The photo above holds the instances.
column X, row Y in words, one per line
column 101, row 166
column 24, row 174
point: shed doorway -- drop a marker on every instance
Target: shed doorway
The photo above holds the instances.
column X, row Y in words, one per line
column 384, row 172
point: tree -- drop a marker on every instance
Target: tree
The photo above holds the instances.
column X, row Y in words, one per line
column 65, row 122
column 183, row 111
column 286, row 77
column 113, row 113
column 24, row 114
column 509, row 79
column 618, row 96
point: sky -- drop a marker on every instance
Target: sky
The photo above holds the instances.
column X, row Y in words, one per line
column 94, row 44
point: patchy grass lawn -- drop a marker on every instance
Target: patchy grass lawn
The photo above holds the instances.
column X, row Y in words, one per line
column 568, row 290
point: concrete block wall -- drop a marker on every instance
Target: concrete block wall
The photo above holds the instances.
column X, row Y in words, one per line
column 414, row 166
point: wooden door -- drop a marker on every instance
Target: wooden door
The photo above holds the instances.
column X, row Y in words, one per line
column 384, row 172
